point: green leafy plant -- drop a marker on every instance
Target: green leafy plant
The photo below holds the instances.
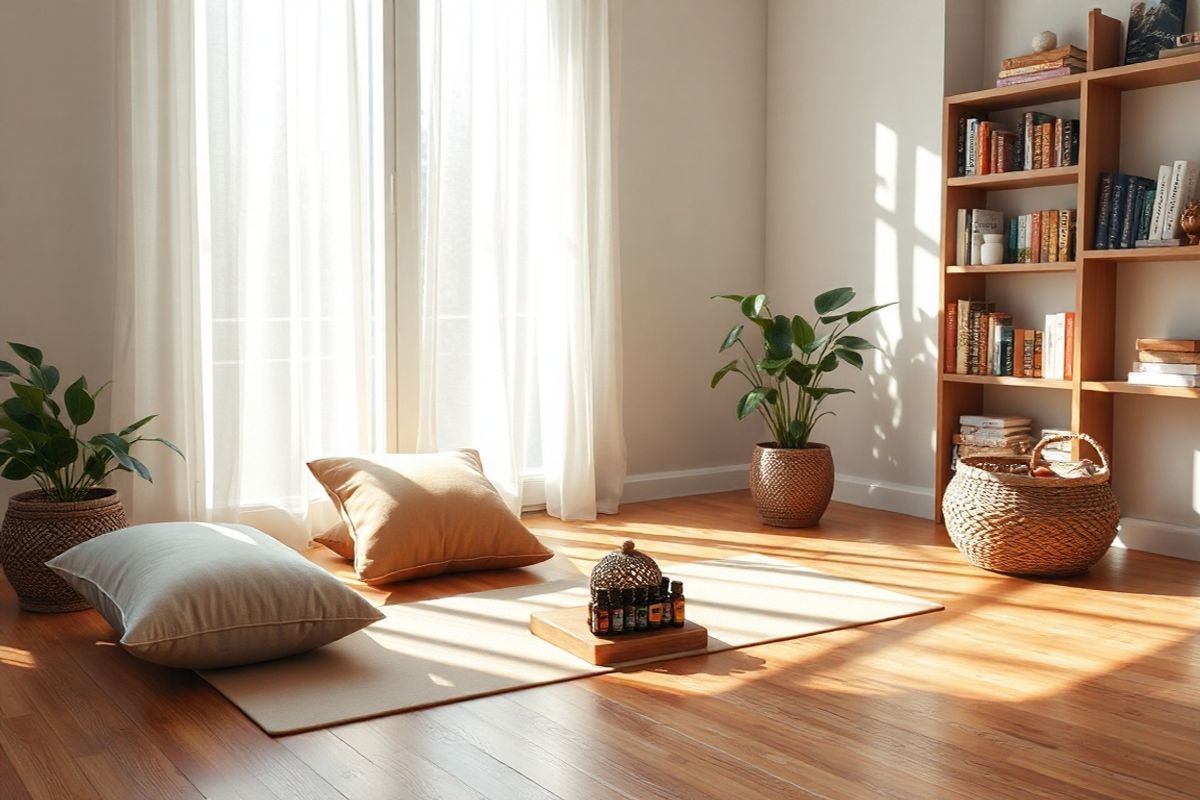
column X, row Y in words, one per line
column 36, row 443
column 786, row 382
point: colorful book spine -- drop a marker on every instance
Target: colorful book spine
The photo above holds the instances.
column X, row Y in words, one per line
column 1160, row 199
column 950, row 345
column 1104, row 206
column 1058, row 72
column 1045, row 56
column 1116, row 210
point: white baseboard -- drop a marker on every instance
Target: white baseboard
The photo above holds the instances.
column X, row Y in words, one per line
column 916, row 501
column 1159, row 537
column 684, row 482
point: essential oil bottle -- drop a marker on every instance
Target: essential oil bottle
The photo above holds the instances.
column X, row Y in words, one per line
column 665, row 593
column 630, row 610
column 603, row 615
column 678, row 604
column 643, row 610
column 655, row 608
column 616, row 612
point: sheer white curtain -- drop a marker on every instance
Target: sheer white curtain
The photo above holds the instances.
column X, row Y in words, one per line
column 250, row 288
column 520, row 333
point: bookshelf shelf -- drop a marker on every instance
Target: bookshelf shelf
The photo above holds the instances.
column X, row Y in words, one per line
column 1024, row 179
column 1145, row 254
column 1163, row 72
column 1067, row 87
column 1015, row 269
column 1121, row 387
column 1005, row 380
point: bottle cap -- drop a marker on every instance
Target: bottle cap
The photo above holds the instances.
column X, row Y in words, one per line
column 676, row 586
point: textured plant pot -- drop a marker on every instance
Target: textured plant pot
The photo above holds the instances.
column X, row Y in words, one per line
column 791, row 487
column 36, row 530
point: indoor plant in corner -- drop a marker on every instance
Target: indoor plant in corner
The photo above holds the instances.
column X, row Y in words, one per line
column 70, row 505
column 791, row 477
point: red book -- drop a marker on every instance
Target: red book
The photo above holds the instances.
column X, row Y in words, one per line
column 1069, row 346
column 950, row 341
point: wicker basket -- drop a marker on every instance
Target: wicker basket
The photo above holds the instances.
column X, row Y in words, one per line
column 36, row 530
column 791, row 486
column 627, row 568
column 1021, row 525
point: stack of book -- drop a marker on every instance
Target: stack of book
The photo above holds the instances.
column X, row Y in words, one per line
column 1066, row 60
column 1167, row 362
column 1041, row 140
column 992, row 437
column 1186, row 44
column 981, row 341
column 1039, row 237
column 1056, row 451
column 1139, row 212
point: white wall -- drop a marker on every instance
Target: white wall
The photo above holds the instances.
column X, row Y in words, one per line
column 853, row 199
column 691, row 161
column 1157, row 441
column 58, row 185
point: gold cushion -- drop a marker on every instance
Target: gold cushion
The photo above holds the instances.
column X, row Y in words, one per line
column 414, row 516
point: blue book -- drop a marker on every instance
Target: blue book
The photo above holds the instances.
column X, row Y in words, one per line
column 1116, row 212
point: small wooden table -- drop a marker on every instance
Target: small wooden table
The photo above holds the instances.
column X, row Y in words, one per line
column 567, row 628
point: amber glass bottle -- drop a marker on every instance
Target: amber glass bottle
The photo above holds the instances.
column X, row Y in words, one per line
column 665, row 593
column 678, row 604
column 616, row 611
column 630, row 610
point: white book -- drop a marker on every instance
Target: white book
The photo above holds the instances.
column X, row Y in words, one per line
column 1053, row 349
column 1167, row 369
column 1160, row 200
column 983, row 221
column 1048, row 348
column 961, row 240
column 979, row 421
column 1164, row 379
column 1180, row 190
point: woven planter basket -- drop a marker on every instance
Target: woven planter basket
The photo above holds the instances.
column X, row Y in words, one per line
column 1022, row 525
column 36, row 530
column 791, row 486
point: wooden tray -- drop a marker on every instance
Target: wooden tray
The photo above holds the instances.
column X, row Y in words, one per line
column 567, row 628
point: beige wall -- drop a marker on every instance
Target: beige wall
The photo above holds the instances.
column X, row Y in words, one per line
column 692, row 128
column 58, row 184
column 1157, row 442
column 853, row 199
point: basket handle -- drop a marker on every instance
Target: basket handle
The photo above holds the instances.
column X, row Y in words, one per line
column 1066, row 437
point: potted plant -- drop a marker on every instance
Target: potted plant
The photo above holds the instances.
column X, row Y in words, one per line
column 70, row 504
column 791, row 477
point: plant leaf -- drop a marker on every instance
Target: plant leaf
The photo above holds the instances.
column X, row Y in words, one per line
column 45, row 378
column 851, row 357
column 721, row 373
column 799, row 374
column 30, row 355
column 815, row 345
column 15, row 410
column 773, row 365
column 172, row 446
column 31, row 397
column 750, row 401
column 855, row 343
column 798, row 431
column 861, row 314
column 80, row 405
column 138, row 467
column 131, row 428
column 95, row 466
column 7, row 369
column 732, row 337
column 752, row 305
column 802, row 332
column 779, row 338
column 829, row 363
column 737, row 298
column 16, row 470
column 820, row 392
column 833, row 299
column 61, row 452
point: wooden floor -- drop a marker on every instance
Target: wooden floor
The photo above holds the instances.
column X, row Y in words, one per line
column 1083, row 688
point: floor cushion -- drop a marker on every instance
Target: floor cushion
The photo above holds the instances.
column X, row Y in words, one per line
column 206, row 595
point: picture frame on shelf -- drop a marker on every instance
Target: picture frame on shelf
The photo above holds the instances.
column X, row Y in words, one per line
column 1153, row 26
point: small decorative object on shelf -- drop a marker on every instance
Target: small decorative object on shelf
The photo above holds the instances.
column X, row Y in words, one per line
column 1046, row 40
column 1153, row 26
column 992, row 250
column 1190, row 222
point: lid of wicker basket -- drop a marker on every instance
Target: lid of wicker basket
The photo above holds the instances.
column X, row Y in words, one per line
column 1004, row 516
column 626, row 568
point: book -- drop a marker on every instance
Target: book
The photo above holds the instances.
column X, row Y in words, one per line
column 1116, row 210
column 1104, row 207
column 1161, row 379
column 1007, row 426
column 1160, row 198
column 1161, row 357
column 972, row 134
column 981, row 421
column 1167, row 369
column 1066, row 61
column 1152, row 27
column 1146, row 208
column 1068, row 345
column 1158, row 243
column 961, row 153
column 1070, row 143
column 1173, row 52
column 1005, row 335
column 1180, row 190
column 1066, row 234
column 1066, row 51
column 982, row 141
column 978, row 441
column 983, row 221
column 1058, row 72
column 1170, row 345
column 1135, row 193
column 950, row 346
column 1054, row 235
column 1054, row 353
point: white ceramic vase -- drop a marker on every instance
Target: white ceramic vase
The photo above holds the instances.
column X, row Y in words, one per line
column 992, row 251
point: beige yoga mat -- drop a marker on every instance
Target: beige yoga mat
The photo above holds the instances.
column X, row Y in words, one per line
column 438, row 651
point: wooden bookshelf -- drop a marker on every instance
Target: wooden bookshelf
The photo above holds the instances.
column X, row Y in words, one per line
column 1099, row 92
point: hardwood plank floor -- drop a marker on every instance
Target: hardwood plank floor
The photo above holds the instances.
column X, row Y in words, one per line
column 1079, row 688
